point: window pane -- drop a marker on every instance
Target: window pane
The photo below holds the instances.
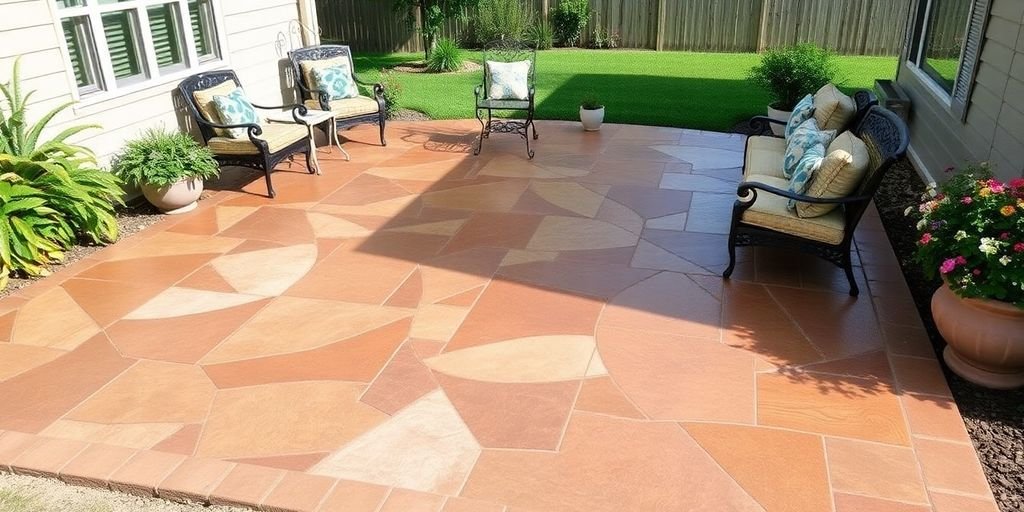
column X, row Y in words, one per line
column 166, row 31
column 944, row 40
column 203, row 29
column 123, row 44
column 69, row 3
column 81, row 51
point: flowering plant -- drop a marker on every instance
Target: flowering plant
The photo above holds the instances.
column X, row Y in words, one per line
column 972, row 234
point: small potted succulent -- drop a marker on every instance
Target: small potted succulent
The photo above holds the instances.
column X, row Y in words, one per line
column 790, row 73
column 972, row 236
column 591, row 113
column 169, row 167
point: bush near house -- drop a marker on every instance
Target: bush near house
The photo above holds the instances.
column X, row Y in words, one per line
column 52, row 192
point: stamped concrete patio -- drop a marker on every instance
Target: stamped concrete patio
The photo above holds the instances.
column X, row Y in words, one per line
column 421, row 329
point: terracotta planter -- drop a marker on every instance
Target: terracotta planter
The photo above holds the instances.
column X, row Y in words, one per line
column 985, row 339
column 779, row 115
column 173, row 199
column 592, row 119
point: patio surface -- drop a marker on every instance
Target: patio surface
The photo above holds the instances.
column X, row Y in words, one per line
column 485, row 333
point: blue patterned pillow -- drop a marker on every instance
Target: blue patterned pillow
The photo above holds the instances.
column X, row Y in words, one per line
column 803, row 111
column 804, row 172
column 509, row 80
column 804, row 137
column 336, row 81
column 236, row 109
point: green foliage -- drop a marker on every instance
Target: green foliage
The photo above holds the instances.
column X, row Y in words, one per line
column 161, row 158
column 501, row 19
column 590, row 102
column 601, row 38
column 541, row 35
column 792, row 72
column 569, row 19
column 52, row 192
column 433, row 14
column 972, row 234
column 446, row 57
column 392, row 92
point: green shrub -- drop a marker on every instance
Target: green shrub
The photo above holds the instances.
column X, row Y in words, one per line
column 53, row 191
column 501, row 19
column 569, row 19
column 590, row 102
column 541, row 35
column 392, row 92
column 792, row 72
column 446, row 56
column 161, row 158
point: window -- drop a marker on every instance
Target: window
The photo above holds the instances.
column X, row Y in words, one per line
column 117, row 44
column 947, row 36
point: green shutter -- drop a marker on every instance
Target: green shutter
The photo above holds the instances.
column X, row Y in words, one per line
column 200, row 14
column 124, row 53
column 163, row 26
column 75, row 52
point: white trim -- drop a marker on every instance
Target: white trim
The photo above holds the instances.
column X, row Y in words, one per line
column 941, row 95
column 922, row 171
column 108, row 87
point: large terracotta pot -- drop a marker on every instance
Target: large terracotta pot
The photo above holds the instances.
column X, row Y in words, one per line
column 779, row 115
column 173, row 199
column 985, row 339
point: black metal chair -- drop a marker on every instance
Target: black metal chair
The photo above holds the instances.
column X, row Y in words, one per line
column 886, row 137
column 350, row 111
column 266, row 144
column 506, row 51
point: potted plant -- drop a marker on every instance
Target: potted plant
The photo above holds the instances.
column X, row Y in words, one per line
column 972, row 235
column 591, row 113
column 789, row 74
column 169, row 167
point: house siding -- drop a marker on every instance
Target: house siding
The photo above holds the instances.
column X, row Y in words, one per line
column 994, row 128
column 259, row 34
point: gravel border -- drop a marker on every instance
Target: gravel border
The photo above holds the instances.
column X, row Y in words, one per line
column 994, row 419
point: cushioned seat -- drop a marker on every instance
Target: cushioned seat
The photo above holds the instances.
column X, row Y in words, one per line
column 504, row 104
column 765, row 156
column 277, row 135
column 349, row 107
column 770, row 211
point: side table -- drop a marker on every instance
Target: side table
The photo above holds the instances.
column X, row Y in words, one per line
column 311, row 119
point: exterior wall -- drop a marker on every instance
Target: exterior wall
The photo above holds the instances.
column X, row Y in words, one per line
column 994, row 129
column 259, row 34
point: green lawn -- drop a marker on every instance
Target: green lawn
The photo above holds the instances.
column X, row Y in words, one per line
column 693, row 90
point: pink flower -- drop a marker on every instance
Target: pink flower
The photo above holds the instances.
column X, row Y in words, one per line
column 996, row 186
column 977, row 272
column 1004, row 235
column 1018, row 247
column 1017, row 183
column 960, row 260
column 925, row 238
column 967, row 200
column 948, row 266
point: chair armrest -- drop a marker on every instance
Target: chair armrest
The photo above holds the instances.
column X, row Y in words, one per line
column 378, row 88
column 253, row 128
column 747, row 193
column 762, row 125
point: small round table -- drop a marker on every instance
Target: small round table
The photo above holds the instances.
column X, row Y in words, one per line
column 316, row 118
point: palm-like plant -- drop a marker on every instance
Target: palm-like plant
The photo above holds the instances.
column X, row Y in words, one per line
column 51, row 191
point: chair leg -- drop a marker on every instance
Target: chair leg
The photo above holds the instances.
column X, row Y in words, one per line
column 483, row 133
column 848, row 268
column 529, row 150
column 534, row 126
column 732, row 257
column 309, row 161
column 382, row 122
column 270, row 186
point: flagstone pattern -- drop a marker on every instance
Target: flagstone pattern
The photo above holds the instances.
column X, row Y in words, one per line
column 422, row 329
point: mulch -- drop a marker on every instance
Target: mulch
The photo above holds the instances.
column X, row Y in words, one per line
column 468, row 66
column 994, row 419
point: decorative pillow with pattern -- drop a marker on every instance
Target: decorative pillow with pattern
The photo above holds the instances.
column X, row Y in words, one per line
column 235, row 108
column 804, row 172
column 803, row 111
column 806, row 136
column 336, row 81
column 509, row 80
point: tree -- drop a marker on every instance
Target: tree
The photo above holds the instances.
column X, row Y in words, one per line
column 432, row 15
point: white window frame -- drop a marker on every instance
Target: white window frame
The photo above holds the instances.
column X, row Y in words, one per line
column 107, row 87
column 919, row 56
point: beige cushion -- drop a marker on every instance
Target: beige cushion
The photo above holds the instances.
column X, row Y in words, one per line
column 349, row 107
column 832, row 109
column 840, row 174
column 307, row 67
column 765, row 156
column 204, row 102
column 769, row 211
column 277, row 135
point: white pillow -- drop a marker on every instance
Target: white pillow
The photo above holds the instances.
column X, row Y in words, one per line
column 509, row 80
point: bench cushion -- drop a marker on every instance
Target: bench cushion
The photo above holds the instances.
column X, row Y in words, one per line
column 770, row 212
column 764, row 156
column 349, row 107
column 207, row 108
column 832, row 109
column 277, row 135
column 840, row 174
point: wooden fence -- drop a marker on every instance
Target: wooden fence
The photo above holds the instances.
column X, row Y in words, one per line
column 858, row 27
